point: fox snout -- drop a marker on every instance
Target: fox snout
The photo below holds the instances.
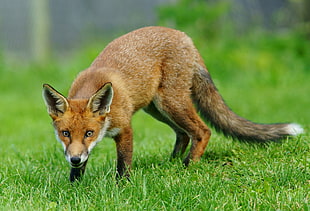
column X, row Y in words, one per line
column 76, row 155
column 76, row 161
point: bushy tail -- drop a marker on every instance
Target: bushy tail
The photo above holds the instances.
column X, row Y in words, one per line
column 213, row 109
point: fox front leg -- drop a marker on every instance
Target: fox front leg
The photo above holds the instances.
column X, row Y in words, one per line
column 76, row 173
column 124, row 148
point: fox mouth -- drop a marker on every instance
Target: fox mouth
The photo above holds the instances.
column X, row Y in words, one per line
column 78, row 165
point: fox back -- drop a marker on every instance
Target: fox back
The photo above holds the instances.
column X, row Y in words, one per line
column 158, row 70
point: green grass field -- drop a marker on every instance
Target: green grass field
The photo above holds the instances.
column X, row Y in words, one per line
column 262, row 83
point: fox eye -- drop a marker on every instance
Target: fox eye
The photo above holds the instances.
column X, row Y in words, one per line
column 66, row 133
column 89, row 133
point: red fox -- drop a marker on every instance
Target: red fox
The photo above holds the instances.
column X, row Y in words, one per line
column 156, row 69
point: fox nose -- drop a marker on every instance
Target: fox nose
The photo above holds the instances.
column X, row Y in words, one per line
column 75, row 160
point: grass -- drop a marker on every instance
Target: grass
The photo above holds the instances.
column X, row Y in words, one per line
column 257, row 83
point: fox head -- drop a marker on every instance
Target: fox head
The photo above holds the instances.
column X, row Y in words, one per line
column 79, row 123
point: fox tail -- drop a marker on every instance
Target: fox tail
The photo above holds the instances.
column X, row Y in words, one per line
column 213, row 109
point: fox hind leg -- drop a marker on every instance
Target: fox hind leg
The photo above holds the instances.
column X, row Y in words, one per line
column 181, row 143
column 181, row 111
column 182, row 139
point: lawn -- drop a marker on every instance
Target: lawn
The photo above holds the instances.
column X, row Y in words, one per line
column 265, row 81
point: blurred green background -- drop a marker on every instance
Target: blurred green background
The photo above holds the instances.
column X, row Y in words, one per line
column 36, row 30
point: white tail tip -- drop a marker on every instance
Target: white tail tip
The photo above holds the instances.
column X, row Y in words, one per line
column 294, row 129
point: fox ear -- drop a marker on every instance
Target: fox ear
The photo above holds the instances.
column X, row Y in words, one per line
column 101, row 100
column 55, row 102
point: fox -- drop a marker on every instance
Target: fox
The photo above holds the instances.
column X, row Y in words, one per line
column 160, row 71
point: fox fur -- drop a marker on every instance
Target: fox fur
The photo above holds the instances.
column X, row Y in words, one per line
column 156, row 69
